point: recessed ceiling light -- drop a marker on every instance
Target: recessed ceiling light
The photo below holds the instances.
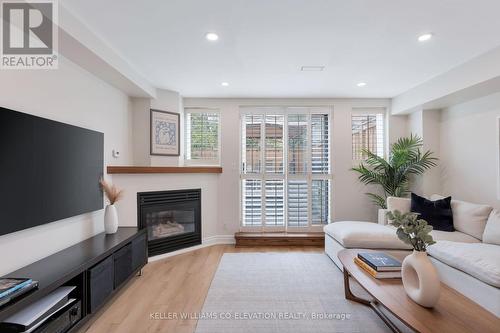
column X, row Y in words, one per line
column 361, row 84
column 212, row 36
column 312, row 68
column 425, row 37
column 224, row 84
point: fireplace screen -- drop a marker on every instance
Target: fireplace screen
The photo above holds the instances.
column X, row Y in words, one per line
column 169, row 222
column 172, row 219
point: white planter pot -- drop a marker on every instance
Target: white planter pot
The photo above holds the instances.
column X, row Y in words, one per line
column 110, row 219
column 382, row 216
column 420, row 279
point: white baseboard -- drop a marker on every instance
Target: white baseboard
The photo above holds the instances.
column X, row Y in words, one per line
column 207, row 241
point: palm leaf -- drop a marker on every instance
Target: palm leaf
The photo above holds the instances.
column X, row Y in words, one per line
column 393, row 175
column 377, row 200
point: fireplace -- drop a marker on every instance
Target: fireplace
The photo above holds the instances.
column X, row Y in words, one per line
column 172, row 219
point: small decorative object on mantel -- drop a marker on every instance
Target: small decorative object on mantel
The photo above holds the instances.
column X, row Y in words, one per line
column 165, row 133
column 110, row 214
column 420, row 278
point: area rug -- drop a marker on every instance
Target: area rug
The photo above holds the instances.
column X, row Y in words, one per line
column 282, row 292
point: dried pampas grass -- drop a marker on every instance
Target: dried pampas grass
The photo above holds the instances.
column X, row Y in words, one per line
column 111, row 192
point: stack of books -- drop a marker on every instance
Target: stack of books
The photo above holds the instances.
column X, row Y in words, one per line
column 11, row 288
column 379, row 265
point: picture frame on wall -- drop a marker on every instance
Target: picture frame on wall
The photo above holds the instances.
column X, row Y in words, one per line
column 164, row 133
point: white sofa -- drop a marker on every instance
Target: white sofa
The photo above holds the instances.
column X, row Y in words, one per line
column 467, row 259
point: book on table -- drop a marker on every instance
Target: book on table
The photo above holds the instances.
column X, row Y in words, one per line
column 19, row 292
column 377, row 274
column 380, row 261
column 10, row 285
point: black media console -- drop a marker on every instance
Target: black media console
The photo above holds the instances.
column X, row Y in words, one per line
column 98, row 267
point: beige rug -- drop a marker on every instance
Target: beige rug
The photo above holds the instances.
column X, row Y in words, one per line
column 282, row 292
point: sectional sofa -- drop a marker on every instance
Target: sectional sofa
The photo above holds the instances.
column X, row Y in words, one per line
column 467, row 259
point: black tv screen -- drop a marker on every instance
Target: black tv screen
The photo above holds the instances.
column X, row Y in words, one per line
column 48, row 170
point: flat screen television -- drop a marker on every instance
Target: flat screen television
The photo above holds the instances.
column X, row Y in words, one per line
column 48, row 170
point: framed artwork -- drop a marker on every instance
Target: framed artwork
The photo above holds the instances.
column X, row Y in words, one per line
column 165, row 135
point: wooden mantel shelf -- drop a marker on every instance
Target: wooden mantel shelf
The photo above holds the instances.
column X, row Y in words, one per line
column 146, row 169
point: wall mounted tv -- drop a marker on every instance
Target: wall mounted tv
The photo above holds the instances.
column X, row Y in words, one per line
column 48, row 170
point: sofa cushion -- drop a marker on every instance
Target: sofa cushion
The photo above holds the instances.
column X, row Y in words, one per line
column 491, row 233
column 468, row 217
column 368, row 235
column 437, row 213
column 455, row 236
column 480, row 260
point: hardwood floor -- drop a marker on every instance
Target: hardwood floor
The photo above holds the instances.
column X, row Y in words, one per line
column 171, row 286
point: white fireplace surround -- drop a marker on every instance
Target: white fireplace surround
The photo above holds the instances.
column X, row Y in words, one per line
column 212, row 232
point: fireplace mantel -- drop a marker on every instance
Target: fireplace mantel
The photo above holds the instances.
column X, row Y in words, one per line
column 173, row 169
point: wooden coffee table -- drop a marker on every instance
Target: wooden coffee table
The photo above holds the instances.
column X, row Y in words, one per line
column 453, row 312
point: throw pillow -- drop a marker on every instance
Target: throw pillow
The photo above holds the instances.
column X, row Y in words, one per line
column 437, row 213
column 492, row 231
column 468, row 217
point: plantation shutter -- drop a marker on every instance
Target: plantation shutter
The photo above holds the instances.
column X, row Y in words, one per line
column 275, row 203
column 297, row 143
column 252, row 203
column 298, row 203
column 202, row 135
column 367, row 132
column 285, row 170
column 320, row 149
column 252, row 143
column 274, row 143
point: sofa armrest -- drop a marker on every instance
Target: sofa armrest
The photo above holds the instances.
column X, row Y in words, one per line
column 401, row 204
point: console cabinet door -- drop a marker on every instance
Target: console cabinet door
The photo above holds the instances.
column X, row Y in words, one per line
column 139, row 252
column 123, row 264
column 101, row 280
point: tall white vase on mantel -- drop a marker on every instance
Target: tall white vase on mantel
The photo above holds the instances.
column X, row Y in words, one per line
column 420, row 279
column 110, row 219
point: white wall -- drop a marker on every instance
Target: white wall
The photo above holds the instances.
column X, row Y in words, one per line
column 348, row 195
column 469, row 150
column 425, row 124
column 71, row 95
column 432, row 136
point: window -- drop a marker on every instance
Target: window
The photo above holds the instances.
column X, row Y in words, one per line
column 202, row 136
column 285, row 168
column 367, row 132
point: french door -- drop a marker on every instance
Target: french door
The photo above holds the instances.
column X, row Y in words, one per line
column 285, row 168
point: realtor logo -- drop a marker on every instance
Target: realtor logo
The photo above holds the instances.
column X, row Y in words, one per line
column 29, row 34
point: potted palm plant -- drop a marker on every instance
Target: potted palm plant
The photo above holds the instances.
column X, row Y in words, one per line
column 394, row 174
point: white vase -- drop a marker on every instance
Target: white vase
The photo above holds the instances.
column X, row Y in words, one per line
column 420, row 279
column 382, row 216
column 110, row 219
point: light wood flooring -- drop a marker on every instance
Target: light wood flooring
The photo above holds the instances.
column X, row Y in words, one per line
column 174, row 285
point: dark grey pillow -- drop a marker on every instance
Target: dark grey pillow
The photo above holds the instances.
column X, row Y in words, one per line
column 437, row 213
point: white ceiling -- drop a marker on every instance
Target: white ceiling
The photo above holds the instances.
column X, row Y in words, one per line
column 263, row 43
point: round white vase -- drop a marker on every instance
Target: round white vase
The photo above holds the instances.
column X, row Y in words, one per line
column 110, row 219
column 420, row 279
